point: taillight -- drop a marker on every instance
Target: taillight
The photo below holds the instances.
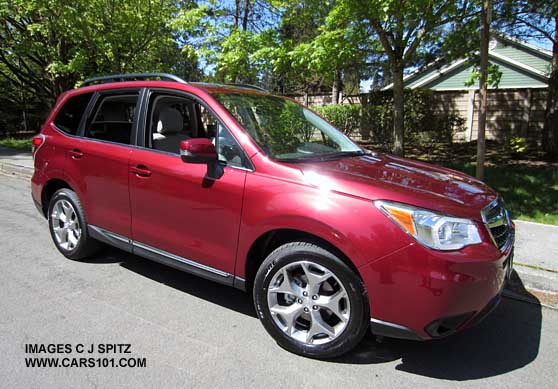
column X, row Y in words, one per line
column 37, row 142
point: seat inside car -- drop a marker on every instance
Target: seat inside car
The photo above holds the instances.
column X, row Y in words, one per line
column 169, row 131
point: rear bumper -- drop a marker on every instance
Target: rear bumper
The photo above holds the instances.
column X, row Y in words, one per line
column 36, row 191
column 419, row 294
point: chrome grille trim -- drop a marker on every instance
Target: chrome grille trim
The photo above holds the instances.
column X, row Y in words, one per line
column 497, row 220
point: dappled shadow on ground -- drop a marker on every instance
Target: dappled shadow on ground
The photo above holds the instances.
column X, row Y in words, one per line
column 529, row 191
column 497, row 153
column 507, row 340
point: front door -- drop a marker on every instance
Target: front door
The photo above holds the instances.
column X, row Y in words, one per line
column 178, row 211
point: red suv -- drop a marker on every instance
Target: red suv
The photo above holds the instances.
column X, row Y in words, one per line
column 258, row 192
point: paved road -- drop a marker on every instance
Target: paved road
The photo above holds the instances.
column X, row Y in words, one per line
column 193, row 332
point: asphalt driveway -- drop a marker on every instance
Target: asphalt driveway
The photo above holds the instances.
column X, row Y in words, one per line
column 193, row 332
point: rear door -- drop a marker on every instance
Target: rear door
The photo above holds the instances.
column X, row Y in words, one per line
column 99, row 159
column 179, row 213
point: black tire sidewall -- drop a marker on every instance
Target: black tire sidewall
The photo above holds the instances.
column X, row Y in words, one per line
column 82, row 248
column 359, row 321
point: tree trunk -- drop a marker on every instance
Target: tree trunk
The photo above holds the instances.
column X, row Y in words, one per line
column 236, row 13
column 483, row 85
column 398, row 109
column 550, row 131
column 336, row 89
column 246, row 15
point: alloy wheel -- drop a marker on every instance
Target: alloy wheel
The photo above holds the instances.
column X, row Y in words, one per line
column 308, row 302
column 65, row 224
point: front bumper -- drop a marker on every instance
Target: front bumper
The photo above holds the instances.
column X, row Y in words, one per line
column 420, row 294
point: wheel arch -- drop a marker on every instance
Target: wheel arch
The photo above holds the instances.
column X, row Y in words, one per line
column 50, row 188
column 270, row 240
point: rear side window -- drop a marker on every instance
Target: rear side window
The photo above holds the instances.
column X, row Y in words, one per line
column 113, row 118
column 69, row 116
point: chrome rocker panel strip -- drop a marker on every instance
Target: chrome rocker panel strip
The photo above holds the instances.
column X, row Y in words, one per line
column 110, row 238
column 165, row 258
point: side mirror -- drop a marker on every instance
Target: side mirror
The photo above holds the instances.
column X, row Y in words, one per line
column 198, row 150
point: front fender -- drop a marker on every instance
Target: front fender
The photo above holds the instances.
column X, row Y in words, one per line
column 353, row 225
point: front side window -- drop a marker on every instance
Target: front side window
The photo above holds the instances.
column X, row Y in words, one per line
column 113, row 118
column 285, row 130
column 172, row 119
column 69, row 116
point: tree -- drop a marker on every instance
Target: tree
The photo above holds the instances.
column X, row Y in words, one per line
column 403, row 27
column 485, row 18
column 46, row 47
column 339, row 47
column 537, row 20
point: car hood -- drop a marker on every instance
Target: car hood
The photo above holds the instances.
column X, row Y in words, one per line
column 385, row 177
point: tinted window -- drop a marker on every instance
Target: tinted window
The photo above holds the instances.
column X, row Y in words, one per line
column 69, row 116
column 113, row 119
column 172, row 119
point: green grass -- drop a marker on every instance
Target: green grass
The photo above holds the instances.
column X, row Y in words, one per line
column 18, row 144
column 530, row 191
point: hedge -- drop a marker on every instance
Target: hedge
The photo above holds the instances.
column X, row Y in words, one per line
column 344, row 117
column 427, row 118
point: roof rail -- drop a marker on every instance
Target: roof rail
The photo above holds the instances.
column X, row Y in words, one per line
column 250, row 86
column 133, row 76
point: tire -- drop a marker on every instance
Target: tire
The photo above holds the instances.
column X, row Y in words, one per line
column 296, row 312
column 68, row 226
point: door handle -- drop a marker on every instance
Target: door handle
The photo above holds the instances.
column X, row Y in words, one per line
column 141, row 171
column 76, row 153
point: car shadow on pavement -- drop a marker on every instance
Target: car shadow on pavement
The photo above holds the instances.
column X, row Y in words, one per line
column 506, row 340
column 213, row 292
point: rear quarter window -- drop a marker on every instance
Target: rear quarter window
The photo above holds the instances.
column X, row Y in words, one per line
column 68, row 118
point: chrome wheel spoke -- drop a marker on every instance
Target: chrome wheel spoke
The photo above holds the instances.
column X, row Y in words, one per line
column 318, row 327
column 333, row 304
column 315, row 279
column 67, row 210
column 59, row 233
column 289, row 314
column 72, row 239
column 308, row 302
column 286, row 286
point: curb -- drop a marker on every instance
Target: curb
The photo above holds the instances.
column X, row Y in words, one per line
column 535, row 223
column 539, row 279
column 16, row 170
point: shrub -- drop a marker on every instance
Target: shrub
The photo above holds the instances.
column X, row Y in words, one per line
column 427, row 118
column 345, row 117
column 517, row 145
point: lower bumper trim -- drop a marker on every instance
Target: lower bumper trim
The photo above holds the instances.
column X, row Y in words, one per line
column 392, row 330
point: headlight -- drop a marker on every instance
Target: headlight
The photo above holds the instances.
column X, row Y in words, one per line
column 433, row 230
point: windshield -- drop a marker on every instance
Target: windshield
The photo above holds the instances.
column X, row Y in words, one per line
column 286, row 131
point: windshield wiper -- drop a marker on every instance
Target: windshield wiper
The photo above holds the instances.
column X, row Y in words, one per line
column 323, row 157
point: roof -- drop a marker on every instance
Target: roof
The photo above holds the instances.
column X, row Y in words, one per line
column 523, row 65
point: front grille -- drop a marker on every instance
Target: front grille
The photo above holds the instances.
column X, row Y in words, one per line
column 497, row 220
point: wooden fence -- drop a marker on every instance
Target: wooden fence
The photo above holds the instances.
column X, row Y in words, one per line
column 511, row 112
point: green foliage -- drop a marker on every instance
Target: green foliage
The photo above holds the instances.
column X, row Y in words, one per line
column 345, row 117
column 18, row 144
column 48, row 47
column 518, row 145
column 494, row 76
column 424, row 121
